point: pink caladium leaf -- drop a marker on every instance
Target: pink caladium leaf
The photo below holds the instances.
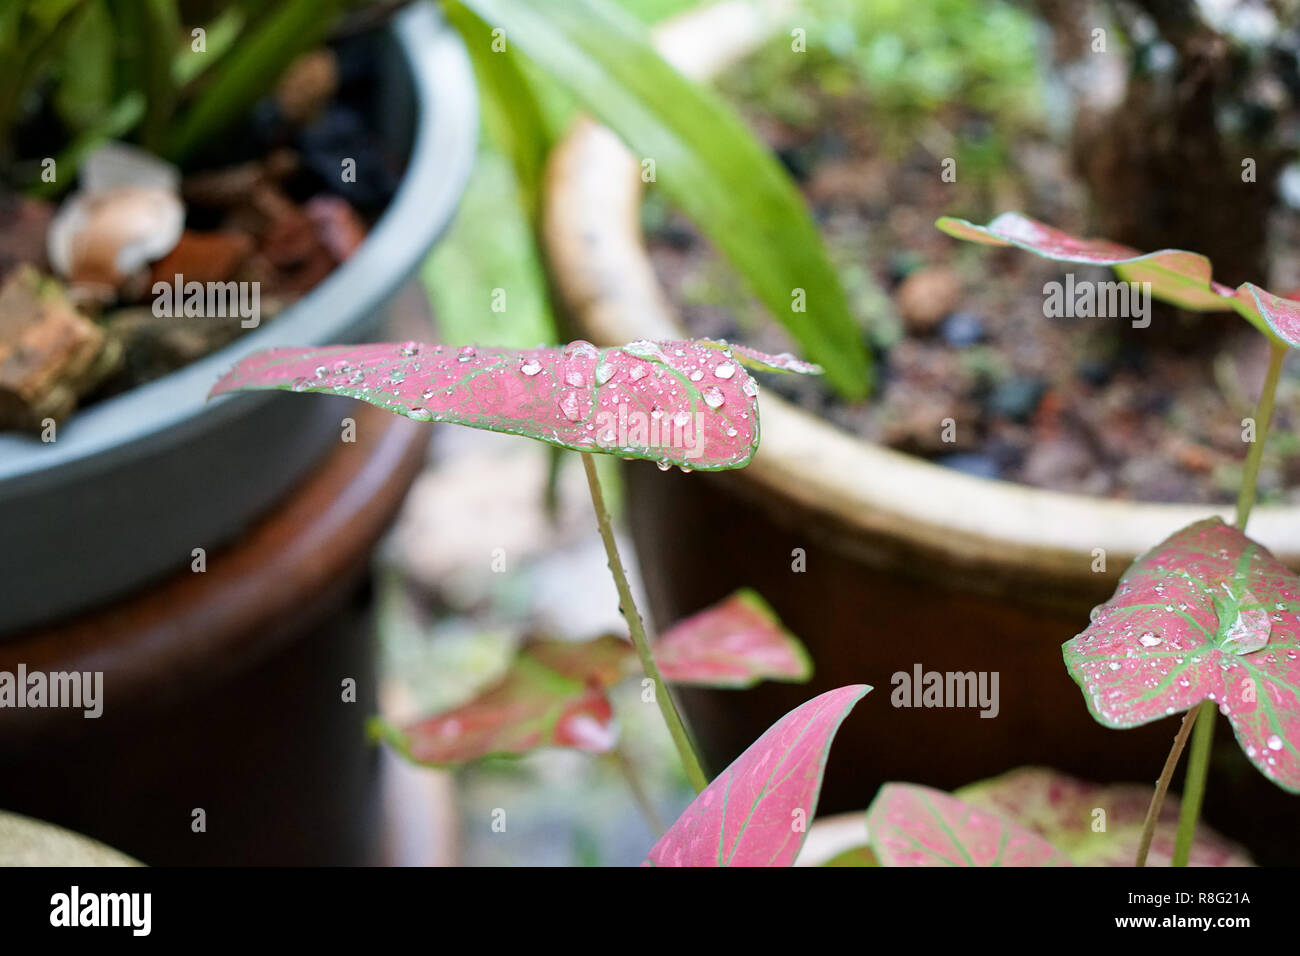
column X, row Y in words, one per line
column 766, row 362
column 1208, row 614
column 756, row 813
column 911, row 825
column 1177, row 276
column 735, row 643
column 690, row 404
column 1096, row 825
column 553, row 695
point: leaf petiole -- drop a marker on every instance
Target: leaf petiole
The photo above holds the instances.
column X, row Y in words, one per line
column 681, row 739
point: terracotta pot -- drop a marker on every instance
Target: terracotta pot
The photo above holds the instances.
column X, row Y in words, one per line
column 907, row 563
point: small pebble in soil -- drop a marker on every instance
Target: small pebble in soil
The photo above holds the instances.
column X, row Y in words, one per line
column 981, row 466
column 1016, row 398
column 962, row 329
column 926, row 297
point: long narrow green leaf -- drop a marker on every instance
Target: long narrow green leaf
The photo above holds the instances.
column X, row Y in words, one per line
column 85, row 69
column 250, row 68
column 705, row 159
column 513, row 117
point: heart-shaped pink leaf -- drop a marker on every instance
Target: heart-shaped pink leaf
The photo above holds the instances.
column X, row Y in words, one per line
column 1096, row 825
column 690, row 404
column 552, row 696
column 1208, row 614
column 735, row 643
column 1177, row 276
column 911, row 825
column 757, row 811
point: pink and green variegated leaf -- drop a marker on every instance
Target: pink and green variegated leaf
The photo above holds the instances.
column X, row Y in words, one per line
column 764, row 361
column 553, row 695
column 1282, row 316
column 1177, row 276
column 735, row 643
column 1208, row 614
column 911, row 825
column 756, row 813
column 690, row 404
column 1096, row 825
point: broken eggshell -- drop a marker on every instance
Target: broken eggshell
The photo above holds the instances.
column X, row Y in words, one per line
column 126, row 215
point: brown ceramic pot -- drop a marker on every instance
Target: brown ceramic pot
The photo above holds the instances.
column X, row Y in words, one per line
column 907, row 563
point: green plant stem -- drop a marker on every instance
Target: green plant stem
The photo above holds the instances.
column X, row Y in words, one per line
column 681, row 739
column 1263, row 416
column 1162, row 788
column 1198, row 762
column 639, row 794
column 1202, row 718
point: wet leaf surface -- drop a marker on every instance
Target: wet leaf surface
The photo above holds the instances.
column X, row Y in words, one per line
column 1208, row 614
column 690, row 404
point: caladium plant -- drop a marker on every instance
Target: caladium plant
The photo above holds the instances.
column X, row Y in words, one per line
column 685, row 403
column 756, row 813
column 1177, row 276
column 1207, row 615
column 554, row 694
column 910, row 825
column 1207, row 619
column 690, row 404
column 735, row 643
column 1094, row 824
column 1027, row 817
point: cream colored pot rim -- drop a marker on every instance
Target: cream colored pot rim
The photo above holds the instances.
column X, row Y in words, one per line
column 597, row 255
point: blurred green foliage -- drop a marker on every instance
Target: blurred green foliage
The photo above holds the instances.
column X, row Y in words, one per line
column 171, row 74
column 911, row 64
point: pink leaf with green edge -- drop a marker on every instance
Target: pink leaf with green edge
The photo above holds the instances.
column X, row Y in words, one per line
column 1177, row 276
column 1063, row 810
column 1207, row 614
column 553, row 695
column 757, row 811
column 735, row 643
column 1282, row 316
column 764, row 361
column 690, row 404
column 910, row 825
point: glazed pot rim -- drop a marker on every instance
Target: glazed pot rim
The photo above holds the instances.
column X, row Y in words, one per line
column 805, row 465
column 169, row 409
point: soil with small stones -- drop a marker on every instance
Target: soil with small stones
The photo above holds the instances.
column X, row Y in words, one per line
column 1088, row 405
column 267, row 203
